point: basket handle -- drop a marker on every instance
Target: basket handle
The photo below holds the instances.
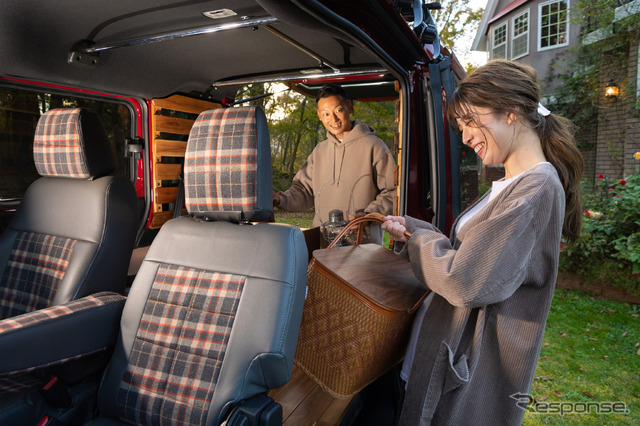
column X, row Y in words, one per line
column 359, row 222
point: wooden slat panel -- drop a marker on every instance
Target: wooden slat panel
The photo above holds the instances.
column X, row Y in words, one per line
column 167, row 171
column 160, row 218
column 166, row 148
column 180, row 126
column 184, row 104
column 165, row 195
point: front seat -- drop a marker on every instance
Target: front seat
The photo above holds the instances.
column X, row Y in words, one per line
column 74, row 231
column 212, row 319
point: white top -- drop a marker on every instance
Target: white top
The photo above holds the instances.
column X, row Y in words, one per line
column 496, row 188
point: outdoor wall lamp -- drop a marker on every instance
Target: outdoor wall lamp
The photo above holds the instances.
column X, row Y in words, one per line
column 612, row 91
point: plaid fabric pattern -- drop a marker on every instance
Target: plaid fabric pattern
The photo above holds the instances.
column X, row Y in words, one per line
column 58, row 148
column 37, row 263
column 19, row 383
column 179, row 346
column 221, row 161
column 88, row 302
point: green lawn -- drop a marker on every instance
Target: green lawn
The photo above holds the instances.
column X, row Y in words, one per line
column 590, row 358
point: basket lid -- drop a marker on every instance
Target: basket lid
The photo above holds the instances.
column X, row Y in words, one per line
column 376, row 273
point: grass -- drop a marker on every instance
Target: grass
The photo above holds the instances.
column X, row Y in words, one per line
column 590, row 356
column 299, row 219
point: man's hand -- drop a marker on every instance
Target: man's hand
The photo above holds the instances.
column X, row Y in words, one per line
column 357, row 215
column 276, row 199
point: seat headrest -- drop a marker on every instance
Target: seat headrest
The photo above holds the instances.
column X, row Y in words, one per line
column 72, row 143
column 227, row 166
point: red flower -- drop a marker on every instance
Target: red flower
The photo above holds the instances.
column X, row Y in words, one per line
column 623, row 182
column 464, row 154
column 610, row 189
column 600, row 176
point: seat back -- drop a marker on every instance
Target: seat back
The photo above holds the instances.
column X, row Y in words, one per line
column 214, row 312
column 74, row 231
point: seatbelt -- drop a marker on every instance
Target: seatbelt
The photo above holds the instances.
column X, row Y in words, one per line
column 177, row 211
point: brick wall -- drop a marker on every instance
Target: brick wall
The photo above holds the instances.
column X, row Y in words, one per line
column 618, row 133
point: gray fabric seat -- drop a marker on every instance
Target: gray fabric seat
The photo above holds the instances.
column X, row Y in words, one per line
column 212, row 318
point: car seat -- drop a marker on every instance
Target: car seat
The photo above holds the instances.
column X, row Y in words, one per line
column 212, row 319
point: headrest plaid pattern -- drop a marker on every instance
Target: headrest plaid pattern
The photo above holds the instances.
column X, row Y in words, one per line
column 58, row 146
column 72, row 143
column 220, row 165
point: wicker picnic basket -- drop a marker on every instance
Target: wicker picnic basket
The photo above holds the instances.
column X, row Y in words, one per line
column 357, row 317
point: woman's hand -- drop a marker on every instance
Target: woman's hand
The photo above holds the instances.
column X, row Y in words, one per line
column 395, row 226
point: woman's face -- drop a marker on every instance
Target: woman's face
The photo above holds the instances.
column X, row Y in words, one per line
column 490, row 135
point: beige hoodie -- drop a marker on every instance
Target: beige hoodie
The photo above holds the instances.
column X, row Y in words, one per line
column 354, row 175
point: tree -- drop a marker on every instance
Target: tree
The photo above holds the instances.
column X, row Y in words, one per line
column 456, row 20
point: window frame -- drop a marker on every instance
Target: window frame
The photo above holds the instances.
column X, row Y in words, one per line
column 495, row 29
column 524, row 34
column 567, row 25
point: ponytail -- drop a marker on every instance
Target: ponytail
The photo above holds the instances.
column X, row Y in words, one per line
column 507, row 86
column 558, row 145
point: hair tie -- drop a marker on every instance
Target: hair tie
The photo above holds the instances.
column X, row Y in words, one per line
column 542, row 110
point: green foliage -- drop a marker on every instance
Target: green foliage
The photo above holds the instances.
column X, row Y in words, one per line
column 589, row 354
column 295, row 129
column 609, row 247
column 455, row 20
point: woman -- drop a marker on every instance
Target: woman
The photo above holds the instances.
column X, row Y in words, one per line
column 476, row 348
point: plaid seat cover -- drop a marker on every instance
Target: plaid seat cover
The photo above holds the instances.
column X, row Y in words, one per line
column 78, row 305
column 179, row 346
column 58, row 145
column 37, row 263
column 19, row 383
column 221, row 161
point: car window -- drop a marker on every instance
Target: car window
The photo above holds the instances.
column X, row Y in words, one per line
column 19, row 113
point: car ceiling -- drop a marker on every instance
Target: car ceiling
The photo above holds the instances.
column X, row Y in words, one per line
column 37, row 38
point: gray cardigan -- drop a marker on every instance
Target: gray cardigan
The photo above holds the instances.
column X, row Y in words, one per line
column 480, row 340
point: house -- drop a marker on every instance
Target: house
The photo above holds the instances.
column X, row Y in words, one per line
column 541, row 32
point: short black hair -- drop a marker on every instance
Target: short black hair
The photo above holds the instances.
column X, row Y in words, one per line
column 331, row 90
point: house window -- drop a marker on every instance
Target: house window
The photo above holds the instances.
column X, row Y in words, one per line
column 520, row 36
column 499, row 41
column 554, row 24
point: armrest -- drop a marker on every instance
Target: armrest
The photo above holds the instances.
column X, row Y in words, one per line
column 259, row 410
column 56, row 334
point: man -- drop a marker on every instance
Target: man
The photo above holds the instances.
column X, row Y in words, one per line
column 352, row 170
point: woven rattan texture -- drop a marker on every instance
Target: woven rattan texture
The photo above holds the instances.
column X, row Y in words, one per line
column 345, row 345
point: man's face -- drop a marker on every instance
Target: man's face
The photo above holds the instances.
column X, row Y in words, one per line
column 334, row 113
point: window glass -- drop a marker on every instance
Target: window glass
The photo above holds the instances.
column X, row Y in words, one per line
column 520, row 39
column 553, row 24
column 499, row 42
column 19, row 113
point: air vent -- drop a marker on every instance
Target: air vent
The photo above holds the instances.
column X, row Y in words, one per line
column 219, row 14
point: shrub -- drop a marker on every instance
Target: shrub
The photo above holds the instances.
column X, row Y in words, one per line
column 609, row 247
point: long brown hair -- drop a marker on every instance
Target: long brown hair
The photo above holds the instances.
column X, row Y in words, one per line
column 507, row 86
